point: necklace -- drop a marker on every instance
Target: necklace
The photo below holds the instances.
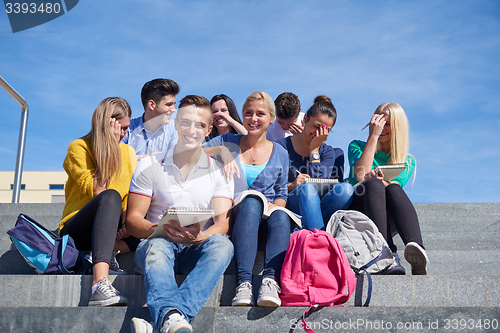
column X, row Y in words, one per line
column 262, row 152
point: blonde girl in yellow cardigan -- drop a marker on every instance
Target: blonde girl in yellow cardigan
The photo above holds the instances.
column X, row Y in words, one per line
column 99, row 170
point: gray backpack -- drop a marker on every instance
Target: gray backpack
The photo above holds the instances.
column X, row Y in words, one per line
column 364, row 246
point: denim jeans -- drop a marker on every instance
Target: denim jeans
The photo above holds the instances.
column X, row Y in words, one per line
column 247, row 226
column 316, row 211
column 204, row 265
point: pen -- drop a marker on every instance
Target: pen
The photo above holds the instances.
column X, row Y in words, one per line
column 369, row 123
column 299, row 173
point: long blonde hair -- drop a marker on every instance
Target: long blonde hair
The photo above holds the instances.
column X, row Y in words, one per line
column 105, row 148
column 400, row 130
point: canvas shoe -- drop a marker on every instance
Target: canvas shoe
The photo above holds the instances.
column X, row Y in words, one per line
column 176, row 323
column 244, row 295
column 139, row 325
column 395, row 268
column 268, row 293
column 417, row 258
column 106, row 295
column 114, row 269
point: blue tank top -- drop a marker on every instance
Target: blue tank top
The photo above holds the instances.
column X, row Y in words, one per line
column 252, row 171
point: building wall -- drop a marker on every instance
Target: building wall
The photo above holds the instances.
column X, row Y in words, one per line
column 37, row 186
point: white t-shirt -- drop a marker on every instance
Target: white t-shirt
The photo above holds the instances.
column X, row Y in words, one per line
column 275, row 132
column 160, row 179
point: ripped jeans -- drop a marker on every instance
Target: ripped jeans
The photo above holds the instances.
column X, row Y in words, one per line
column 204, row 265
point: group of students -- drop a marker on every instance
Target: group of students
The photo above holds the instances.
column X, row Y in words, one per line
column 124, row 174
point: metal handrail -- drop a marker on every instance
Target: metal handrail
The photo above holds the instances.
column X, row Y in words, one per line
column 22, row 138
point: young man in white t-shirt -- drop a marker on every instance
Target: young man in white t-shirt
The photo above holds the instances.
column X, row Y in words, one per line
column 181, row 177
column 288, row 117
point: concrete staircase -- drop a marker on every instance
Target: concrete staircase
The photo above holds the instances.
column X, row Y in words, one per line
column 462, row 287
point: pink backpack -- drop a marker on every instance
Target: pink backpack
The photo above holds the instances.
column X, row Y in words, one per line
column 315, row 272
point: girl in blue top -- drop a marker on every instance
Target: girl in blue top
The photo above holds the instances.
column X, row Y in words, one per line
column 381, row 200
column 265, row 167
column 309, row 157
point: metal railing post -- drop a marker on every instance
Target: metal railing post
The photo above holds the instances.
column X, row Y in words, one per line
column 22, row 138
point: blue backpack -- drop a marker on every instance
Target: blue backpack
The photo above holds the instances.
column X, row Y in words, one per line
column 43, row 249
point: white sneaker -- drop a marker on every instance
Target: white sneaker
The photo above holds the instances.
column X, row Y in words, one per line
column 244, row 295
column 268, row 293
column 139, row 325
column 417, row 258
column 176, row 323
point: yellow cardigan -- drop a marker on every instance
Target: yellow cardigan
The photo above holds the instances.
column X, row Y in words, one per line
column 80, row 167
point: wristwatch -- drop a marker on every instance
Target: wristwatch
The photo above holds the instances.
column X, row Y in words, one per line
column 314, row 156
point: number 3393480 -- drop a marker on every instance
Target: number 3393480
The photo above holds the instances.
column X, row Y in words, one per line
column 32, row 8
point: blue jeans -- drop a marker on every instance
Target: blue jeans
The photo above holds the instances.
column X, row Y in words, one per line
column 316, row 211
column 247, row 226
column 204, row 265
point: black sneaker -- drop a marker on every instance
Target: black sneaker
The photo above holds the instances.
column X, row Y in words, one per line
column 395, row 268
column 114, row 269
column 106, row 295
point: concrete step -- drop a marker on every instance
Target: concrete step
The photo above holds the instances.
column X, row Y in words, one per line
column 259, row 320
column 460, row 238
column 463, row 285
column 388, row 291
column 437, row 217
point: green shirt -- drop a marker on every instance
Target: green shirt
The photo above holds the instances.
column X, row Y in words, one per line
column 356, row 148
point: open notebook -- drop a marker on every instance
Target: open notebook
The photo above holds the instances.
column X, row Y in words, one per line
column 185, row 216
column 391, row 171
column 295, row 218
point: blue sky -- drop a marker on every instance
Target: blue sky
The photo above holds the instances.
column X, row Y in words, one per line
column 440, row 60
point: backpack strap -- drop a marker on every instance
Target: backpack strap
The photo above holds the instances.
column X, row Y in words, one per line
column 306, row 327
column 60, row 254
column 364, row 270
column 369, row 292
column 374, row 260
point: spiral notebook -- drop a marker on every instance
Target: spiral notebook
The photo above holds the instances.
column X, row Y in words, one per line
column 322, row 184
column 185, row 217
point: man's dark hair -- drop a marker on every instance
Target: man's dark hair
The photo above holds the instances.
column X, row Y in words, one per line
column 157, row 89
column 287, row 105
column 198, row 101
